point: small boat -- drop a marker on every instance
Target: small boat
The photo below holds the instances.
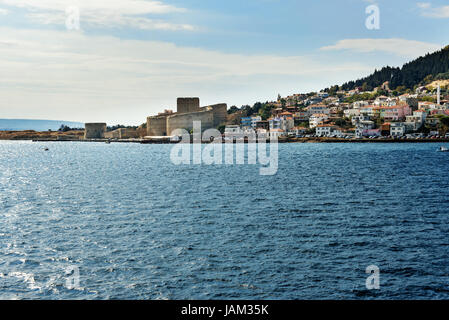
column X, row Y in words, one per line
column 108, row 141
column 443, row 149
column 46, row 149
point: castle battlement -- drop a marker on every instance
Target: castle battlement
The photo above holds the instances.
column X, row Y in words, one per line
column 188, row 111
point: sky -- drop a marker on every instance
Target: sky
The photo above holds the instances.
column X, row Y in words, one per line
column 124, row 60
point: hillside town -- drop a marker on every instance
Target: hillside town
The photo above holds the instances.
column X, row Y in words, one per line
column 355, row 114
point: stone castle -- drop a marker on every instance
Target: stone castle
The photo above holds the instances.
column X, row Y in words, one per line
column 188, row 111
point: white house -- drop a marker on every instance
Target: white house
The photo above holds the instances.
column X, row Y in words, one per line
column 318, row 109
column 254, row 121
column 233, row 131
column 360, row 118
column 363, row 127
column 421, row 114
column 297, row 131
column 397, row 129
column 360, row 104
column 326, row 130
column 262, row 133
column 283, row 123
column 276, row 133
column 367, row 110
column 317, row 119
column 351, row 113
column 301, row 116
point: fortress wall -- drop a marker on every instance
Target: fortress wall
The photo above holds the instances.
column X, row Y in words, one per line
column 94, row 130
column 122, row 133
column 220, row 113
column 157, row 126
column 185, row 121
column 112, row 135
column 128, row 133
column 186, row 105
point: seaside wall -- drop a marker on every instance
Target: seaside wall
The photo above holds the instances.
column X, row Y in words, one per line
column 220, row 113
column 112, row 135
column 122, row 133
column 157, row 126
column 185, row 121
column 94, row 130
column 186, row 105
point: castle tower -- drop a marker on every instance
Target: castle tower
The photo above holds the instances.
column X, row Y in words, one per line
column 187, row 105
column 94, row 130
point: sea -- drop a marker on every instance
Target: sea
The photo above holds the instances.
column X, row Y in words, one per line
column 122, row 221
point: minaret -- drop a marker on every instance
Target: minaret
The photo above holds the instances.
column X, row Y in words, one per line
column 438, row 95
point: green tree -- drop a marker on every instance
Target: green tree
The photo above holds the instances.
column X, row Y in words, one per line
column 265, row 111
column 444, row 124
column 233, row 109
column 221, row 128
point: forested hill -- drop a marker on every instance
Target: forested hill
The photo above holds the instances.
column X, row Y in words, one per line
column 434, row 66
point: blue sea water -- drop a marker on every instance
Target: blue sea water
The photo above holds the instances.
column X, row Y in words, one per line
column 135, row 226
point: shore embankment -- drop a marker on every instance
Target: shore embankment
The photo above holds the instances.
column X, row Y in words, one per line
column 78, row 136
column 288, row 140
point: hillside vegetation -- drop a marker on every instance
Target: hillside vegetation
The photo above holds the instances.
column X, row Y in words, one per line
column 422, row 71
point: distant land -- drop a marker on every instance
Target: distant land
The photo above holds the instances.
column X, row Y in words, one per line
column 37, row 125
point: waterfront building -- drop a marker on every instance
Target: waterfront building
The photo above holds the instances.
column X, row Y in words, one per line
column 421, row 114
column 326, row 130
column 233, row 131
column 317, row 119
column 250, row 122
column 385, row 129
column 246, row 122
column 360, row 118
column 297, row 131
column 393, row 113
column 262, row 133
column 283, row 122
column 276, row 133
column 397, row 129
column 262, row 125
column 363, row 127
column 371, row 133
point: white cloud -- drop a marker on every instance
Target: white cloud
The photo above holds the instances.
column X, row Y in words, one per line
column 66, row 75
column 423, row 5
column 428, row 11
column 3, row 12
column 400, row 47
column 103, row 13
